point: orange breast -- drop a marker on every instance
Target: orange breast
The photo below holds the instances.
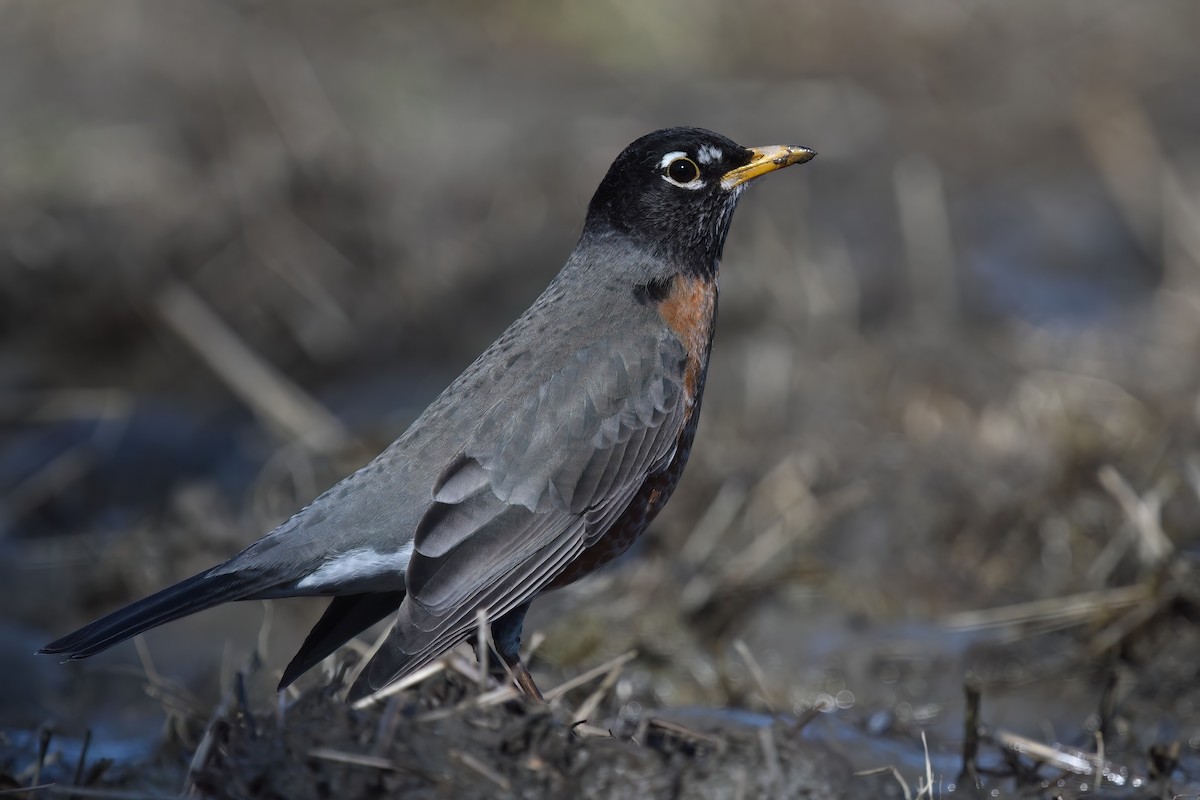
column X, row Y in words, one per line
column 689, row 310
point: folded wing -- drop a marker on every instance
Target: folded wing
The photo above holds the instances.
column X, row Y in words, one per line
column 532, row 488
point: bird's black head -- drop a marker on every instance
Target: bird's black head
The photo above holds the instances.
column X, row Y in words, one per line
column 674, row 191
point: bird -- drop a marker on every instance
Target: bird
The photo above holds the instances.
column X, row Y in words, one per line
column 543, row 461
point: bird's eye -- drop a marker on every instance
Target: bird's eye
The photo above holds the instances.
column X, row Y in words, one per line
column 683, row 170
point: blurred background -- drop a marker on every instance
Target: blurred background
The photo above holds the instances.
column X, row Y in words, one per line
column 951, row 421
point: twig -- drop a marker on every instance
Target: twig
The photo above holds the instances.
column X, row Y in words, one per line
column 262, row 645
column 589, row 706
column 143, row 654
column 473, row 763
column 928, row 768
column 1144, row 515
column 391, row 688
column 200, row 757
column 385, row 731
column 23, row 790
column 590, row 675
column 52, row 478
column 1069, row 610
column 866, row 773
column 291, row 90
column 756, row 672
column 1123, row 145
column 44, row 737
column 457, row 662
column 1181, row 228
column 971, row 725
column 767, row 547
column 501, row 694
column 684, row 732
column 715, row 520
column 354, row 759
column 808, row 716
column 424, row 673
column 587, row 730
column 83, row 751
column 766, row 739
column 928, row 244
column 1120, row 629
column 535, row 642
column 280, row 403
column 1071, row 759
column 84, row 791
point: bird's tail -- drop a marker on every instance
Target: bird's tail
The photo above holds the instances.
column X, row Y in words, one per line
column 186, row 597
column 346, row 617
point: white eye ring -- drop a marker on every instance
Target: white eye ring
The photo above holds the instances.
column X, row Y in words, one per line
column 680, row 158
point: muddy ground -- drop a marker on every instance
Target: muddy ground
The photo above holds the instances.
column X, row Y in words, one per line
column 939, row 534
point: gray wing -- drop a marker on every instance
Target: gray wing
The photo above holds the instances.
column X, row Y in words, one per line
column 533, row 487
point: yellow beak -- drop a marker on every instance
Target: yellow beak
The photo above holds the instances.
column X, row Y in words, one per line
column 764, row 160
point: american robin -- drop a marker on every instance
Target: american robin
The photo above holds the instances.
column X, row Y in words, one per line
column 544, row 460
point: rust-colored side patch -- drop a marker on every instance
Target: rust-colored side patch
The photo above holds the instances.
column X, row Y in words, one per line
column 688, row 310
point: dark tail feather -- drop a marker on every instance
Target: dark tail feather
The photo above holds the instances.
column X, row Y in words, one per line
column 186, row 597
column 345, row 618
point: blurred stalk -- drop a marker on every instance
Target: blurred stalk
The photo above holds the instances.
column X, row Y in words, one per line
column 282, row 405
column 928, row 244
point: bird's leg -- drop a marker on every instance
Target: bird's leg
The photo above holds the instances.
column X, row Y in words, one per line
column 506, row 635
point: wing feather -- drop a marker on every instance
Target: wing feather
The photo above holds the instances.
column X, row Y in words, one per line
column 534, row 486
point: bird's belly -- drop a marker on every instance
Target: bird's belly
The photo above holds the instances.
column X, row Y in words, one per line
column 642, row 509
